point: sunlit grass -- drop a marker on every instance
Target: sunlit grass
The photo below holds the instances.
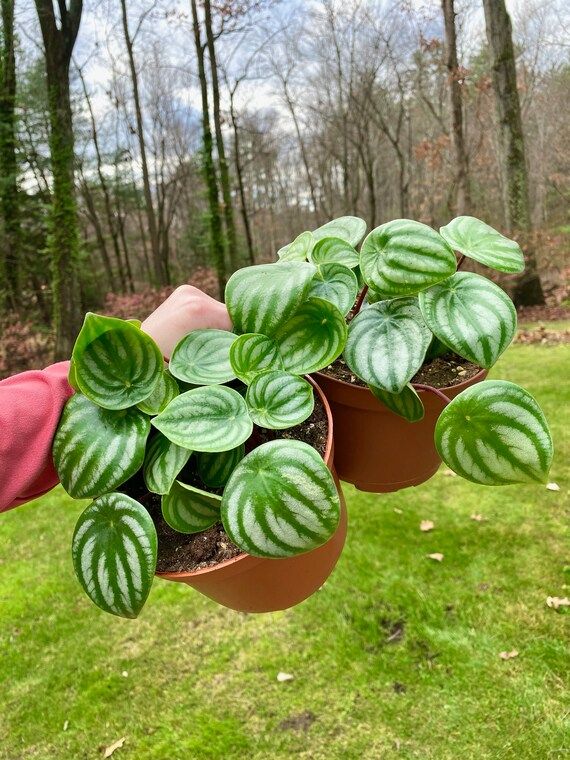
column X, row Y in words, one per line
column 396, row 657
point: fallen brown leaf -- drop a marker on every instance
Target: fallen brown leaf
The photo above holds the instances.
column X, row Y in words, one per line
column 438, row 556
column 114, row 746
column 477, row 517
column 508, row 655
column 552, row 487
column 555, row 602
column 426, row 525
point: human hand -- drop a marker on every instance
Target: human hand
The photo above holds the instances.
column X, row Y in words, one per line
column 186, row 309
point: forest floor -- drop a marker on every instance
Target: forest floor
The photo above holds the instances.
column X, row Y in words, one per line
column 398, row 656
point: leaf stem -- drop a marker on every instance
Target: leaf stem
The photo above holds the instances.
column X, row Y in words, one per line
column 431, row 389
column 360, row 299
column 460, row 262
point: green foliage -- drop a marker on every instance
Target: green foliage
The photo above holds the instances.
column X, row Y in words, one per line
column 403, row 257
column 332, row 250
column 387, row 343
column 114, row 554
column 214, row 418
column 281, row 500
column 479, row 241
column 95, row 449
column 279, row 400
column 253, row 353
column 349, row 228
column 215, row 469
column 299, row 249
column 116, row 365
column 162, row 463
column 190, row 510
column 471, row 315
column 406, row 404
column 203, row 357
column 495, row 433
column 164, row 391
column 335, row 283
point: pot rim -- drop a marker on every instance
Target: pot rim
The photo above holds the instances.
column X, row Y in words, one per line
column 360, row 388
column 244, row 556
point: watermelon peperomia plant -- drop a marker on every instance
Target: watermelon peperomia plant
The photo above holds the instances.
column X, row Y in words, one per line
column 194, row 419
column 418, row 306
column 129, row 415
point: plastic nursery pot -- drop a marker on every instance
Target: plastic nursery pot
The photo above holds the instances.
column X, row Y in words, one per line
column 375, row 449
column 254, row 584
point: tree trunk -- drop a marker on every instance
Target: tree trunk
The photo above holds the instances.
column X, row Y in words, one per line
column 462, row 190
column 63, row 241
column 9, row 203
column 222, row 161
column 239, row 174
column 528, row 289
column 160, row 270
column 216, row 234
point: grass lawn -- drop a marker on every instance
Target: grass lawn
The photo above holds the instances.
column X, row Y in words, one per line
column 396, row 657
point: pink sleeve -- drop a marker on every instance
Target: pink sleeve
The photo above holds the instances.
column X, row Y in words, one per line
column 30, row 407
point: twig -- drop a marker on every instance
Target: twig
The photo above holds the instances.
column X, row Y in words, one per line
column 360, row 299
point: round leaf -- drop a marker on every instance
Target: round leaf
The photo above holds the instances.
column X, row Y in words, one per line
column 334, row 250
column 214, row 418
column 406, row 404
column 479, row 241
column 313, row 338
column 402, row 257
column 281, row 500
column 471, row 315
column 164, row 391
column 253, row 353
column 278, row 400
column 115, row 364
column 299, row 249
column 349, row 228
column 335, row 283
column 263, row 297
column 95, row 449
column 190, row 510
column 203, row 357
column 114, row 554
column 387, row 343
column 162, row 464
column 494, row 433
column 215, row 469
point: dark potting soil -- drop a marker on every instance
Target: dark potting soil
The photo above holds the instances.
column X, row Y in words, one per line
column 442, row 372
column 181, row 552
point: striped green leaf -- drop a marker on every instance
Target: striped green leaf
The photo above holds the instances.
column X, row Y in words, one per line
column 299, row 249
column 164, row 391
column 95, row 449
column 331, row 250
column 406, row 404
column 190, row 510
column 215, row 469
column 114, row 554
column 203, row 357
column 471, row 315
column 116, row 365
column 253, row 353
column 479, row 241
column 494, row 433
column 278, row 400
column 162, row 463
column 387, row 343
column 349, row 228
column 313, row 338
column 280, row 501
column 403, row 257
column 262, row 298
column 335, row 283
column 214, row 418
column 71, row 379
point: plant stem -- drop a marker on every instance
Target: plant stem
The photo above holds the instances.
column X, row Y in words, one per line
column 360, row 299
column 435, row 391
column 460, row 262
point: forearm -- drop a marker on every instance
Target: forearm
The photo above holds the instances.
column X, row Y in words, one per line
column 30, row 407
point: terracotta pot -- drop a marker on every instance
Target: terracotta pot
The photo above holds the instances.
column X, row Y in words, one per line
column 254, row 584
column 377, row 450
